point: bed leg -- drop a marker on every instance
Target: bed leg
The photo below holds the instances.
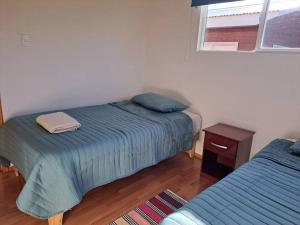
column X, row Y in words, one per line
column 192, row 152
column 56, row 220
column 16, row 171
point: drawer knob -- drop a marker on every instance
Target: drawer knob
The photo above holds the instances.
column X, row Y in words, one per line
column 219, row 146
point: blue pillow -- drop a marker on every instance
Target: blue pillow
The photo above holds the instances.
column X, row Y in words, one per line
column 295, row 148
column 158, row 103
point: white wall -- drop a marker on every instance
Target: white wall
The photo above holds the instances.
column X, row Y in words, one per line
column 83, row 53
column 257, row 91
column 91, row 52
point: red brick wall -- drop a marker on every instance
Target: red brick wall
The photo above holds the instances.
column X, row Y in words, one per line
column 246, row 36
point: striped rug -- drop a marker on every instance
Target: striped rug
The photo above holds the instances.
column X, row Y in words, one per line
column 152, row 211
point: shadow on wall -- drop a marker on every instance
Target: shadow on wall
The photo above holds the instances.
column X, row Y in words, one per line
column 175, row 95
column 62, row 100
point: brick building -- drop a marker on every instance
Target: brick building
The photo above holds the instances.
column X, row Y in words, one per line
column 283, row 31
column 231, row 31
column 245, row 37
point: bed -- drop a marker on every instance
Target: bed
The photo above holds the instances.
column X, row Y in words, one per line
column 115, row 140
column 266, row 190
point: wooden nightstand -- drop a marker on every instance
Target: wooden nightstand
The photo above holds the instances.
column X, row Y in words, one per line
column 225, row 149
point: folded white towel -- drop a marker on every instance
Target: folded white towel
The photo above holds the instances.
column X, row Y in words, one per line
column 58, row 122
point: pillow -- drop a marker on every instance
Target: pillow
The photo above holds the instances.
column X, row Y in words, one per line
column 158, row 103
column 295, row 148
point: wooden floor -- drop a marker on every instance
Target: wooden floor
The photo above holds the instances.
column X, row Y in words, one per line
column 105, row 204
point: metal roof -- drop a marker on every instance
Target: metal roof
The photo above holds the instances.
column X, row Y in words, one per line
column 250, row 7
column 241, row 10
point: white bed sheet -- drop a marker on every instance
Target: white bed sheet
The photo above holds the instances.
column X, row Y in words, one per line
column 197, row 121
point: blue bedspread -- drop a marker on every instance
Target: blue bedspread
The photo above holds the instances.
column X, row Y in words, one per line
column 114, row 141
column 264, row 191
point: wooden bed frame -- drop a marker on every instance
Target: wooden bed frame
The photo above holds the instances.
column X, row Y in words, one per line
column 58, row 219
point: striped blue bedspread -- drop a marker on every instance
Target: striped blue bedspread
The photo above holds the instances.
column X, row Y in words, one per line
column 114, row 141
column 266, row 190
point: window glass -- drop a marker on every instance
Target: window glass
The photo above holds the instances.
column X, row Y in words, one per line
column 282, row 27
column 233, row 25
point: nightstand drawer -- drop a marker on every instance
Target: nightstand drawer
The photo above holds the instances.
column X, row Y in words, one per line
column 220, row 145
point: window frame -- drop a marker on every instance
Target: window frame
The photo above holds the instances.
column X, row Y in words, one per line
column 212, row 44
column 260, row 34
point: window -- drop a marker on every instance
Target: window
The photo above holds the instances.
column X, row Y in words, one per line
column 251, row 25
column 282, row 28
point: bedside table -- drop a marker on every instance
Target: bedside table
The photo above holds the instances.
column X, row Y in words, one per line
column 225, row 149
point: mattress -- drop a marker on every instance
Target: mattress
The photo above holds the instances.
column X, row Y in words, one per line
column 265, row 190
column 196, row 119
column 115, row 140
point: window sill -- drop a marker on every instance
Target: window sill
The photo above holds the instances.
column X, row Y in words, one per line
column 270, row 51
column 286, row 51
